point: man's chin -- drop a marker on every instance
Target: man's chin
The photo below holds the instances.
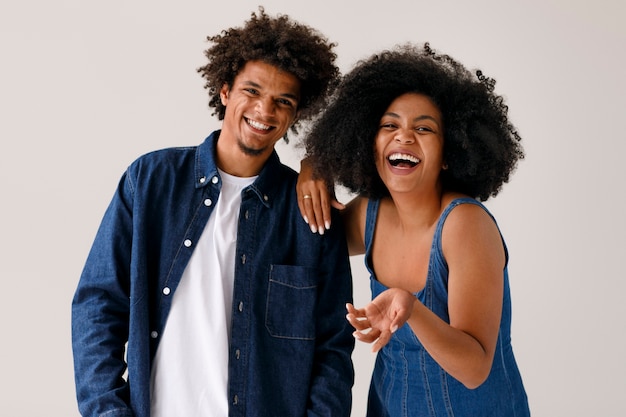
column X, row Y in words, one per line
column 251, row 151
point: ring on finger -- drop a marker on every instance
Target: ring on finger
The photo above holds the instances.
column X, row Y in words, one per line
column 304, row 197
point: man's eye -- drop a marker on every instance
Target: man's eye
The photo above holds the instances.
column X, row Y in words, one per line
column 285, row 102
column 251, row 91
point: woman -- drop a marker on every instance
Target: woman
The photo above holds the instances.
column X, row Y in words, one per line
column 420, row 140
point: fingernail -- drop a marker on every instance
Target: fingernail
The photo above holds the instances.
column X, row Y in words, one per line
column 313, row 228
column 394, row 328
column 321, row 230
column 327, row 225
column 306, row 219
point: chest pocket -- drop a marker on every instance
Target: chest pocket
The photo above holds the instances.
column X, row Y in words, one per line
column 291, row 300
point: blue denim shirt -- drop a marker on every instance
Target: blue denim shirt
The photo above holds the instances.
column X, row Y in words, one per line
column 291, row 346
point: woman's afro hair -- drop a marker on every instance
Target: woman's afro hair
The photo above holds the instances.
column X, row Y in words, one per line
column 291, row 46
column 481, row 147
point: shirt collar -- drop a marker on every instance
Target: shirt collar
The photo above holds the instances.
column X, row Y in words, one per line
column 264, row 186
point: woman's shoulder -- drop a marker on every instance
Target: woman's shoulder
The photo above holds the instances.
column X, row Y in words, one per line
column 463, row 213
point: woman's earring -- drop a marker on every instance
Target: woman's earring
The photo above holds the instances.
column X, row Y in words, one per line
column 444, row 166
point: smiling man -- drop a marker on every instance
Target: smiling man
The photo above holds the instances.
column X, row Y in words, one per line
column 204, row 284
column 260, row 106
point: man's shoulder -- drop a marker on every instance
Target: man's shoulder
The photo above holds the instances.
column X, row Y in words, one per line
column 165, row 154
column 288, row 172
column 277, row 174
column 177, row 153
column 164, row 159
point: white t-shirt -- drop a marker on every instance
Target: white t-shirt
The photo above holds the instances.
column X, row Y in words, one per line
column 190, row 370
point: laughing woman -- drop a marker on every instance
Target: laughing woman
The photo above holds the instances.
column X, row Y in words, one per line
column 421, row 141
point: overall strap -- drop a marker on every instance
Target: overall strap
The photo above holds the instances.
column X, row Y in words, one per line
column 370, row 223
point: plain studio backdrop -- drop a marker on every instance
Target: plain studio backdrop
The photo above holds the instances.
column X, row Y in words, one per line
column 86, row 87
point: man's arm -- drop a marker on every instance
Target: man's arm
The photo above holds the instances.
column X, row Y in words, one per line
column 333, row 374
column 100, row 315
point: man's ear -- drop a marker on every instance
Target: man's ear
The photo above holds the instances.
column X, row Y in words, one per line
column 296, row 117
column 224, row 94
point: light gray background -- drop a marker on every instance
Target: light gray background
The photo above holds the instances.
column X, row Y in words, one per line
column 86, row 87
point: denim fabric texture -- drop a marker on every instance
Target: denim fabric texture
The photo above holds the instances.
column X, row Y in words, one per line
column 407, row 382
column 291, row 345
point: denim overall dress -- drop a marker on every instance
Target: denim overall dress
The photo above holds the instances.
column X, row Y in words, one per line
column 407, row 381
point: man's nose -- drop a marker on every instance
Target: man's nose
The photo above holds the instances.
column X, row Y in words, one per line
column 265, row 106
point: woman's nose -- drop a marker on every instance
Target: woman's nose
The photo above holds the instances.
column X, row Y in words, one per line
column 404, row 137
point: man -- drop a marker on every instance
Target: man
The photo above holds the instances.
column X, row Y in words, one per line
column 202, row 267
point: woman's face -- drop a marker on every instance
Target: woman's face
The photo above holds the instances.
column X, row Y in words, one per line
column 409, row 144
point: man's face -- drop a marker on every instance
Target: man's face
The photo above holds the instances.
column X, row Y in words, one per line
column 261, row 105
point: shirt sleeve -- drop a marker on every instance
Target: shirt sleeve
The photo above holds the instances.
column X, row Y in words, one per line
column 100, row 314
column 333, row 377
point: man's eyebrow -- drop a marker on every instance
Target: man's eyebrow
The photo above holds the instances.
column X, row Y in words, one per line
column 252, row 84
column 291, row 96
column 288, row 95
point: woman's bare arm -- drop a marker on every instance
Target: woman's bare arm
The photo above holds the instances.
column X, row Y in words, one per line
column 465, row 347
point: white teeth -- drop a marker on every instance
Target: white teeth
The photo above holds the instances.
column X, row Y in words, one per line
column 403, row 156
column 258, row 125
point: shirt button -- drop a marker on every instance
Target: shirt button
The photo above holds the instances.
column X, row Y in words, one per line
column 187, row 242
column 166, row 291
column 214, row 180
column 243, row 258
column 240, row 305
column 208, row 202
column 247, row 214
column 154, row 334
column 237, row 354
column 202, row 180
column 235, row 399
column 265, row 198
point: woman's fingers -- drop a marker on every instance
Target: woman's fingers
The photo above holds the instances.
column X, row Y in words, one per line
column 371, row 325
column 313, row 198
column 382, row 340
column 305, row 203
column 314, row 205
column 357, row 318
column 359, row 323
column 367, row 337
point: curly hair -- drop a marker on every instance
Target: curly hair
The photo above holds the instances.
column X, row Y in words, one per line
column 481, row 146
column 291, row 46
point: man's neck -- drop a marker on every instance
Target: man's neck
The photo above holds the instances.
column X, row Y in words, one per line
column 238, row 163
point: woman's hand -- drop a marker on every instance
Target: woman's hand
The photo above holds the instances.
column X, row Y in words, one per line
column 315, row 199
column 378, row 320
